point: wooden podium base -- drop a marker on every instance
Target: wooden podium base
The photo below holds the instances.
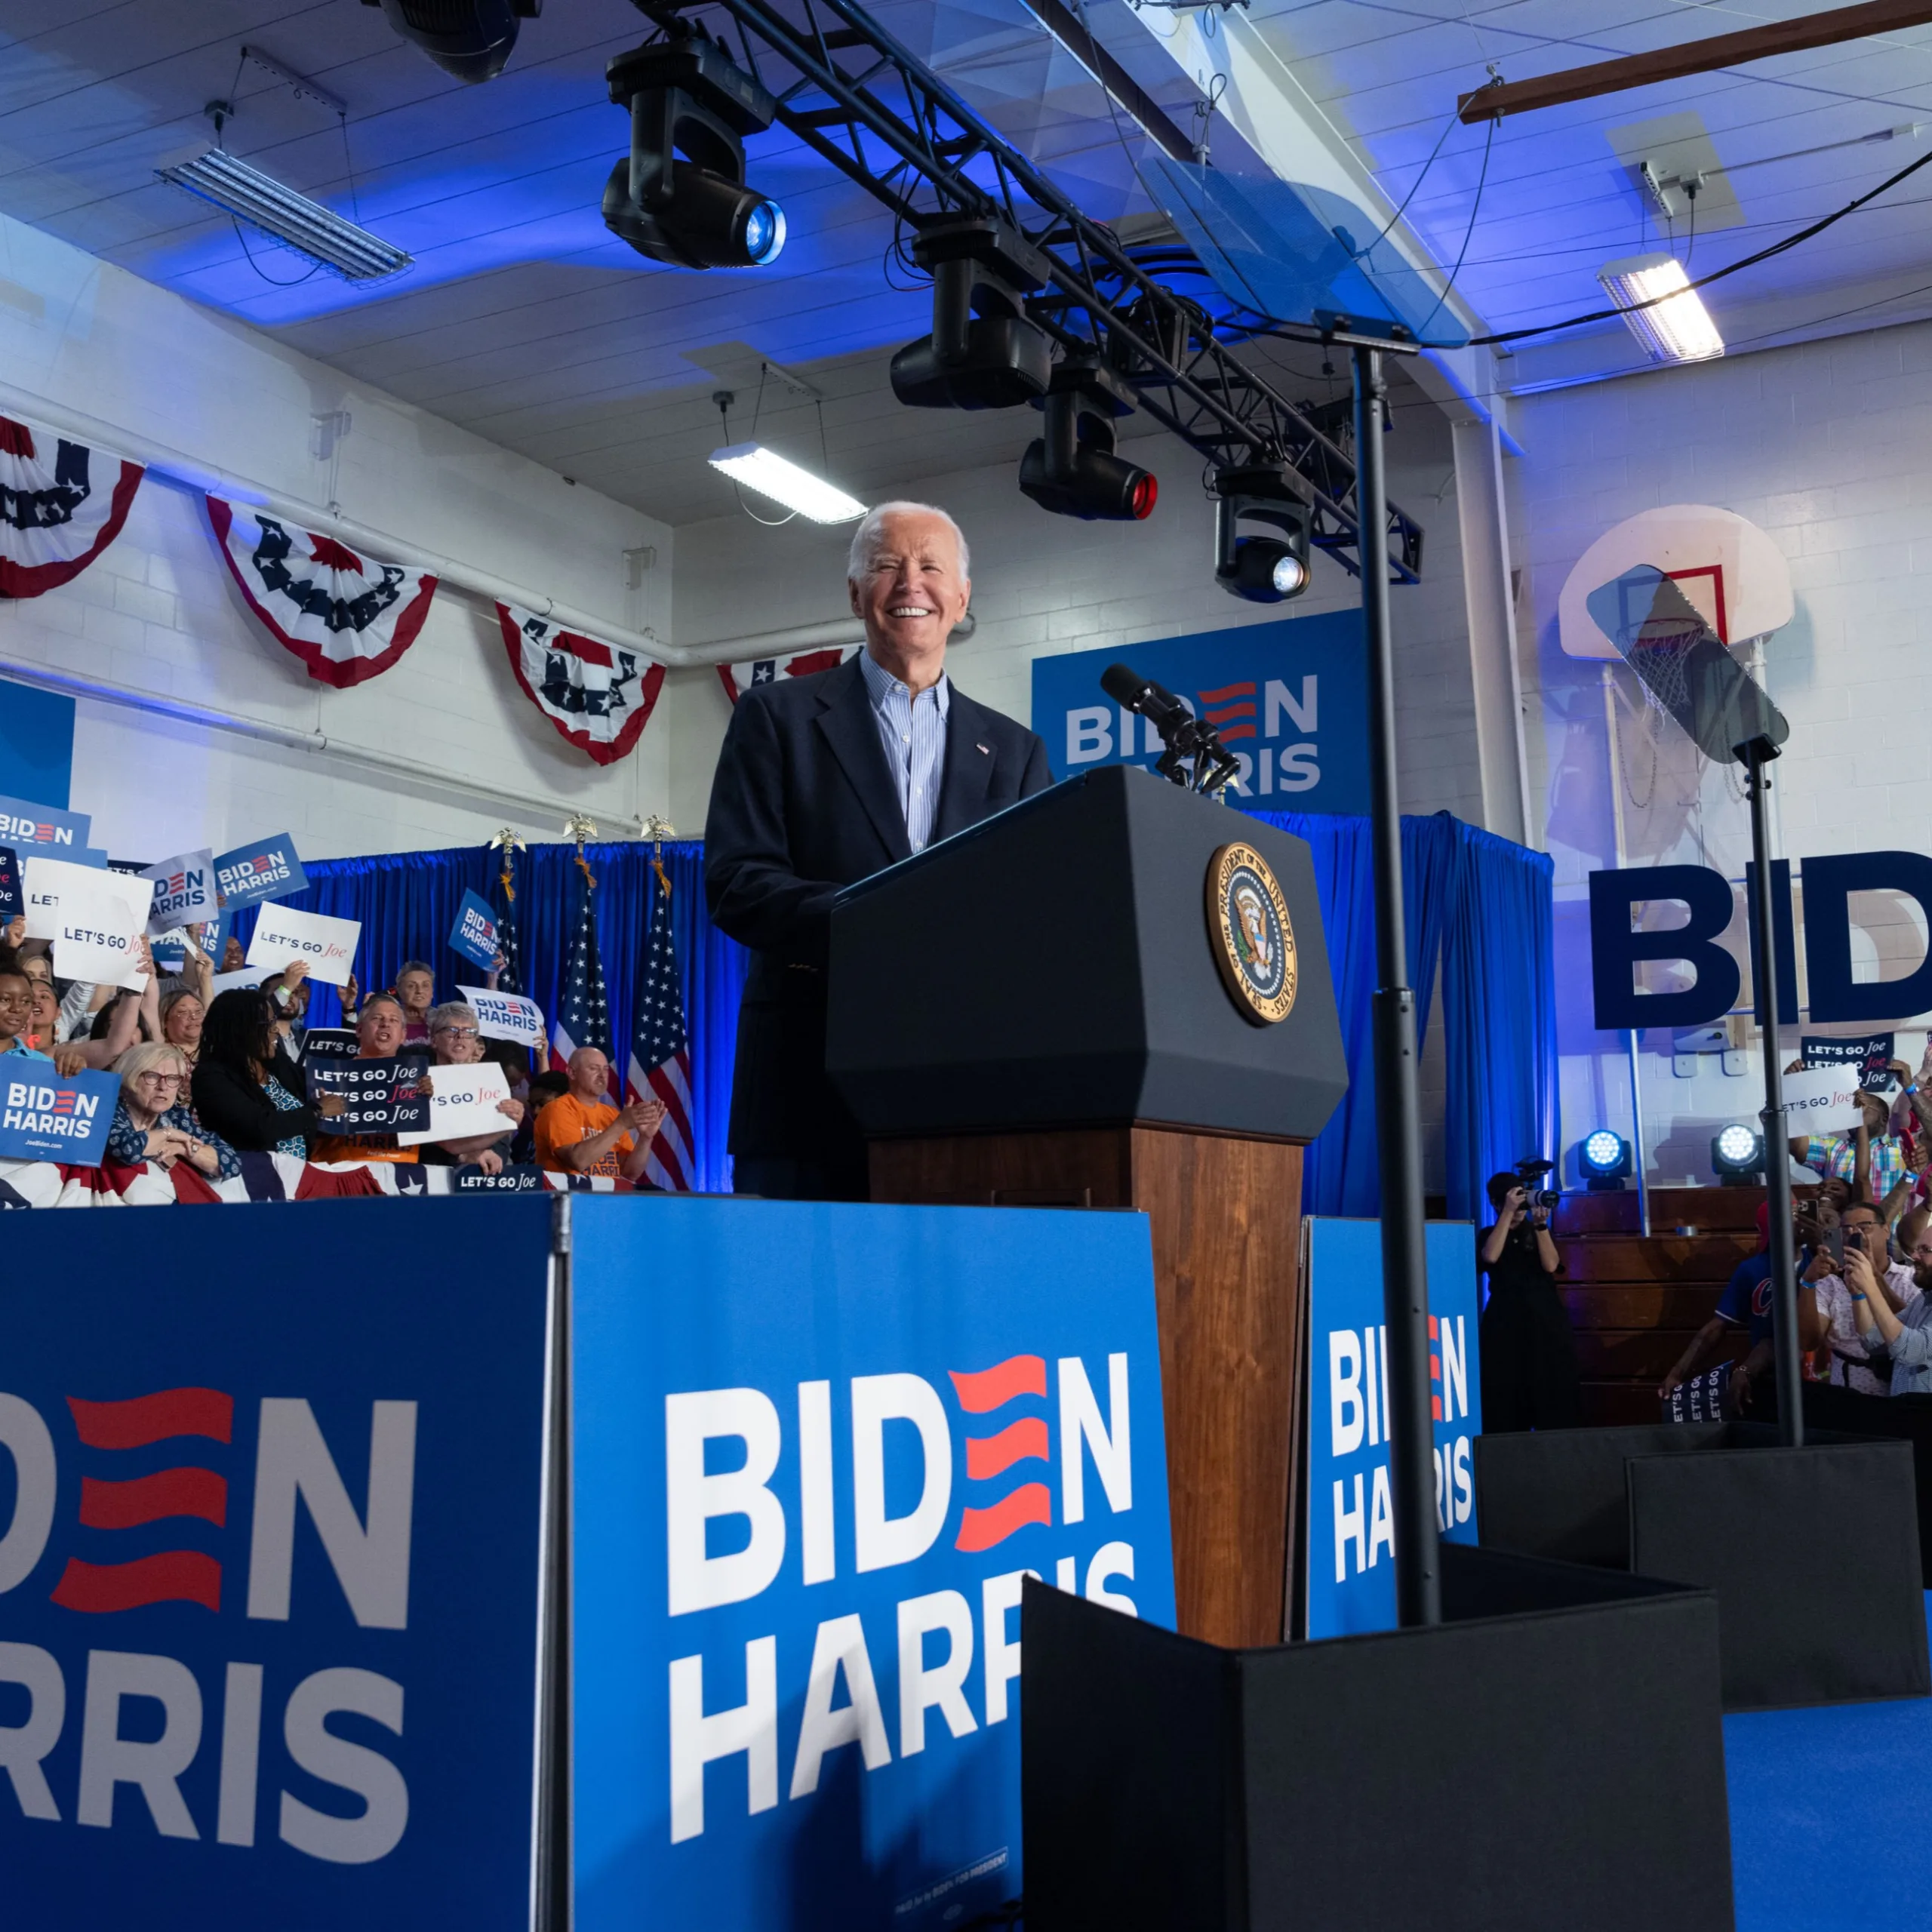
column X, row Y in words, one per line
column 1225, row 1216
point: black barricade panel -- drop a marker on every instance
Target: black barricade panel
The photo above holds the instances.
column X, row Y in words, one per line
column 1814, row 1554
column 1514, row 1773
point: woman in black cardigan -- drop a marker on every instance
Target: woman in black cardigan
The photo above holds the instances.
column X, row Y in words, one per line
column 246, row 1087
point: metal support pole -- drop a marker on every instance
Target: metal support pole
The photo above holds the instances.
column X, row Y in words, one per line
column 1639, row 1161
column 1397, row 1111
column 1756, row 755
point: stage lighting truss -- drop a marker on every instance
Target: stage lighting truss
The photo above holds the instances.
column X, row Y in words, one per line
column 1737, row 1155
column 681, row 196
column 1071, row 469
column 848, row 91
column 1604, row 1158
column 1263, row 570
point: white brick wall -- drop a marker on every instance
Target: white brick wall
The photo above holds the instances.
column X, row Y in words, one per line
column 158, row 613
column 1828, row 447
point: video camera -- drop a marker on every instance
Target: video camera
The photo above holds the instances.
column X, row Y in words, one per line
column 1537, row 1199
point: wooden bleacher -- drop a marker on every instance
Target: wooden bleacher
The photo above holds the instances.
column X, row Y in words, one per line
column 1635, row 1301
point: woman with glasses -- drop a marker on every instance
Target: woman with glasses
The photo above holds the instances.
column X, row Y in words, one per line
column 153, row 1120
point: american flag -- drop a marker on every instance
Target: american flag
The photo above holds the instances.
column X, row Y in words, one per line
column 502, row 900
column 660, row 1063
column 584, row 1014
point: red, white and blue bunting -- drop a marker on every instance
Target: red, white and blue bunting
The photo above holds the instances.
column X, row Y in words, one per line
column 61, row 504
column 599, row 696
column 738, row 679
column 346, row 619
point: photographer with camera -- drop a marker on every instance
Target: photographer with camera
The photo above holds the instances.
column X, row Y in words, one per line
column 1530, row 1376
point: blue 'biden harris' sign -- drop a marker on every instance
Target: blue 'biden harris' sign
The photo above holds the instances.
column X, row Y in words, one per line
column 1289, row 698
column 818, row 1448
column 270, row 1537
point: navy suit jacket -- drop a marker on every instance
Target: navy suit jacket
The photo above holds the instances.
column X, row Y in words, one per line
column 804, row 804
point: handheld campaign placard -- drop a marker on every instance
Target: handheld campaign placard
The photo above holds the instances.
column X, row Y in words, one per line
column 44, row 879
column 380, row 1095
column 268, row 869
column 327, row 946
column 25, row 824
column 505, row 1016
column 1869, row 1058
column 474, row 933
column 45, row 1118
column 1822, row 1099
column 96, row 940
column 183, row 890
column 463, row 1101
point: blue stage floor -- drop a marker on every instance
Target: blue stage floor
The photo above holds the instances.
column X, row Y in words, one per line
column 1826, row 1830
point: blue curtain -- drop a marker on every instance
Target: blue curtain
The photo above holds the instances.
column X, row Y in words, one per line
column 1339, row 1172
column 1477, row 904
column 1499, row 998
column 407, row 903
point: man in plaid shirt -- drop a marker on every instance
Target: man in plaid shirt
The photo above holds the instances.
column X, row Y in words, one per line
column 1870, row 1160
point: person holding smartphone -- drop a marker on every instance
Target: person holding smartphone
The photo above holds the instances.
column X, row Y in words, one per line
column 1530, row 1379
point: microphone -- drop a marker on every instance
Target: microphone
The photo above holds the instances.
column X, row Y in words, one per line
column 1132, row 692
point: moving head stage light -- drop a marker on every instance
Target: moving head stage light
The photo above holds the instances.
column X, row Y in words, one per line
column 1072, row 470
column 1264, row 570
column 983, row 353
column 681, row 198
column 472, row 39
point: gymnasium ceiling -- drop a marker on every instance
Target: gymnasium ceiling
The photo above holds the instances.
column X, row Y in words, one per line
column 523, row 320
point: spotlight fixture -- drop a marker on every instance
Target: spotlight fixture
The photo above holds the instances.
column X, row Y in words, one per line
column 1677, row 329
column 681, row 197
column 279, row 212
column 765, row 470
column 1072, row 470
column 983, row 353
column 472, row 39
column 1737, row 1155
column 1604, row 1158
column 1263, row 570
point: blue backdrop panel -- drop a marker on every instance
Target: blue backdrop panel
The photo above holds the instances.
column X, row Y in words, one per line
column 1290, row 698
column 1478, row 913
column 1348, row 1580
column 264, row 1317
column 36, row 744
column 807, row 1324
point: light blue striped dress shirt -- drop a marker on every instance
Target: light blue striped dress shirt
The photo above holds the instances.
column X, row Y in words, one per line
column 913, row 732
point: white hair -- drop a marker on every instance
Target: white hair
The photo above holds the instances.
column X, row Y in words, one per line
column 865, row 538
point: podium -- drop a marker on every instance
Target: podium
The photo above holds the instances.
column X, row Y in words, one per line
column 1048, row 1009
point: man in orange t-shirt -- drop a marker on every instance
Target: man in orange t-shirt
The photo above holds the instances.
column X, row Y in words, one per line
column 580, row 1132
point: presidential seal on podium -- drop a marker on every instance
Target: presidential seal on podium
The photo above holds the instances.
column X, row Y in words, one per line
column 1248, row 929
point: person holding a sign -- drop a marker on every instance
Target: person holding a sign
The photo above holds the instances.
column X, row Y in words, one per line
column 1530, row 1376
column 245, row 1087
column 153, row 1121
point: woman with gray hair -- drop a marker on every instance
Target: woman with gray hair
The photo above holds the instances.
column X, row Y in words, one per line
column 153, row 1121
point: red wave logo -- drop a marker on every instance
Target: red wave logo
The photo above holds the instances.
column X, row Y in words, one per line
column 990, row 1456
column 980, row 1529
column 141, row 1420
column 168, row 1576
column 993, row 1388
column 184, row 1576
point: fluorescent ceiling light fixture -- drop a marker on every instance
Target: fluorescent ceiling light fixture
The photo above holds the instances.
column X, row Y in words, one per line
column 306, row 227
column 1677, row 329
column 771, row 475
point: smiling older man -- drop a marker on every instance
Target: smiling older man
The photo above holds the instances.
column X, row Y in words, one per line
column 823, row 781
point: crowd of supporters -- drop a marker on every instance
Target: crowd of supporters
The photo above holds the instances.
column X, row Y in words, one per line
column 208, row 1077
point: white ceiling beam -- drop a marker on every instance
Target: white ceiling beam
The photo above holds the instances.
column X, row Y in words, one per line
column 1267, row 106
